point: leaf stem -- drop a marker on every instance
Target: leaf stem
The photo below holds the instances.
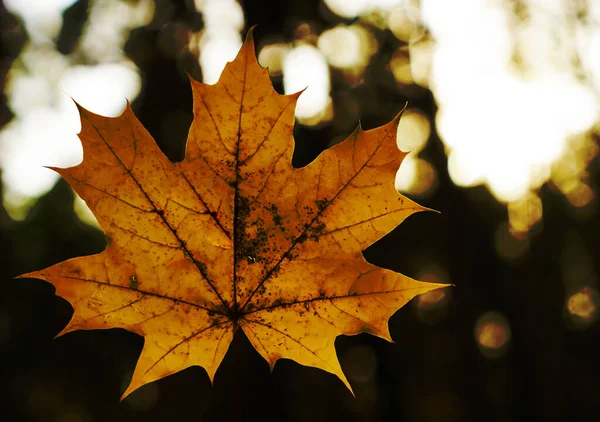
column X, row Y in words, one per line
column 238, row 398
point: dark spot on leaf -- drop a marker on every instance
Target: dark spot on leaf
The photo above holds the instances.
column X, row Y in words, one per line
column 133, row 282
column 322, row 203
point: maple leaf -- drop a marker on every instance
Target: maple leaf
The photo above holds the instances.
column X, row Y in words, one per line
column 233, row 236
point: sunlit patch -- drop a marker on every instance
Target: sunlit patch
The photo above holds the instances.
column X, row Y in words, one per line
column 360, row 364
column 109, row 25
column 492, row 334
column 272, row 56
column 305, row 67
column 43, row 19
column 47, row 135
column 43, row 131
column 497, row 97
column 34, row 86
column 582, row 307
column 44, row 137
column 104, row 88
column 508, row 246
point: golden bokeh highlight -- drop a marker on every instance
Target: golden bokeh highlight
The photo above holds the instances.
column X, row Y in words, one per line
column 400, row 66
column 347, row 47
column 582, row 304
column 524, row 213
column 305, row 69
column 413, row 131
column 402, row 22
column 570, row 174
column 432, row 307
column 431, row 298
column 416, row 176
column 492, row 334
column 422, row 50
column 509, row 246
column 582, row 308
column 96, row 73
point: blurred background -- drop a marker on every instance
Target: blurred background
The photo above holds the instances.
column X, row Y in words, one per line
column 502, row 123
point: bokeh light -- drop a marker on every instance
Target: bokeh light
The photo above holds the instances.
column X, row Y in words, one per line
column 421, row 48
column 400, row 65
column 220, row 39
column 506, row 91
column 96, row 74
column 353, row 8
column 403, row 20
column 524, row 213
column 413, row 131
column 348, row 48
column 271, row 56
column 524, row 113
column 508, row 246
column 215, row 53
column 108, row 28
column 492, row 334
column 305, row 68
column 570, row 174
column 582, row 307
column 415, row 175
column 43, row 19
column 432, row 307
column 341, row 46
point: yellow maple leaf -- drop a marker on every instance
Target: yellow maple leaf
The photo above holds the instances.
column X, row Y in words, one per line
column 234, row 236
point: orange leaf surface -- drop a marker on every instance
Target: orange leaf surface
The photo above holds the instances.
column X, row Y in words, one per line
column 234, row 236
